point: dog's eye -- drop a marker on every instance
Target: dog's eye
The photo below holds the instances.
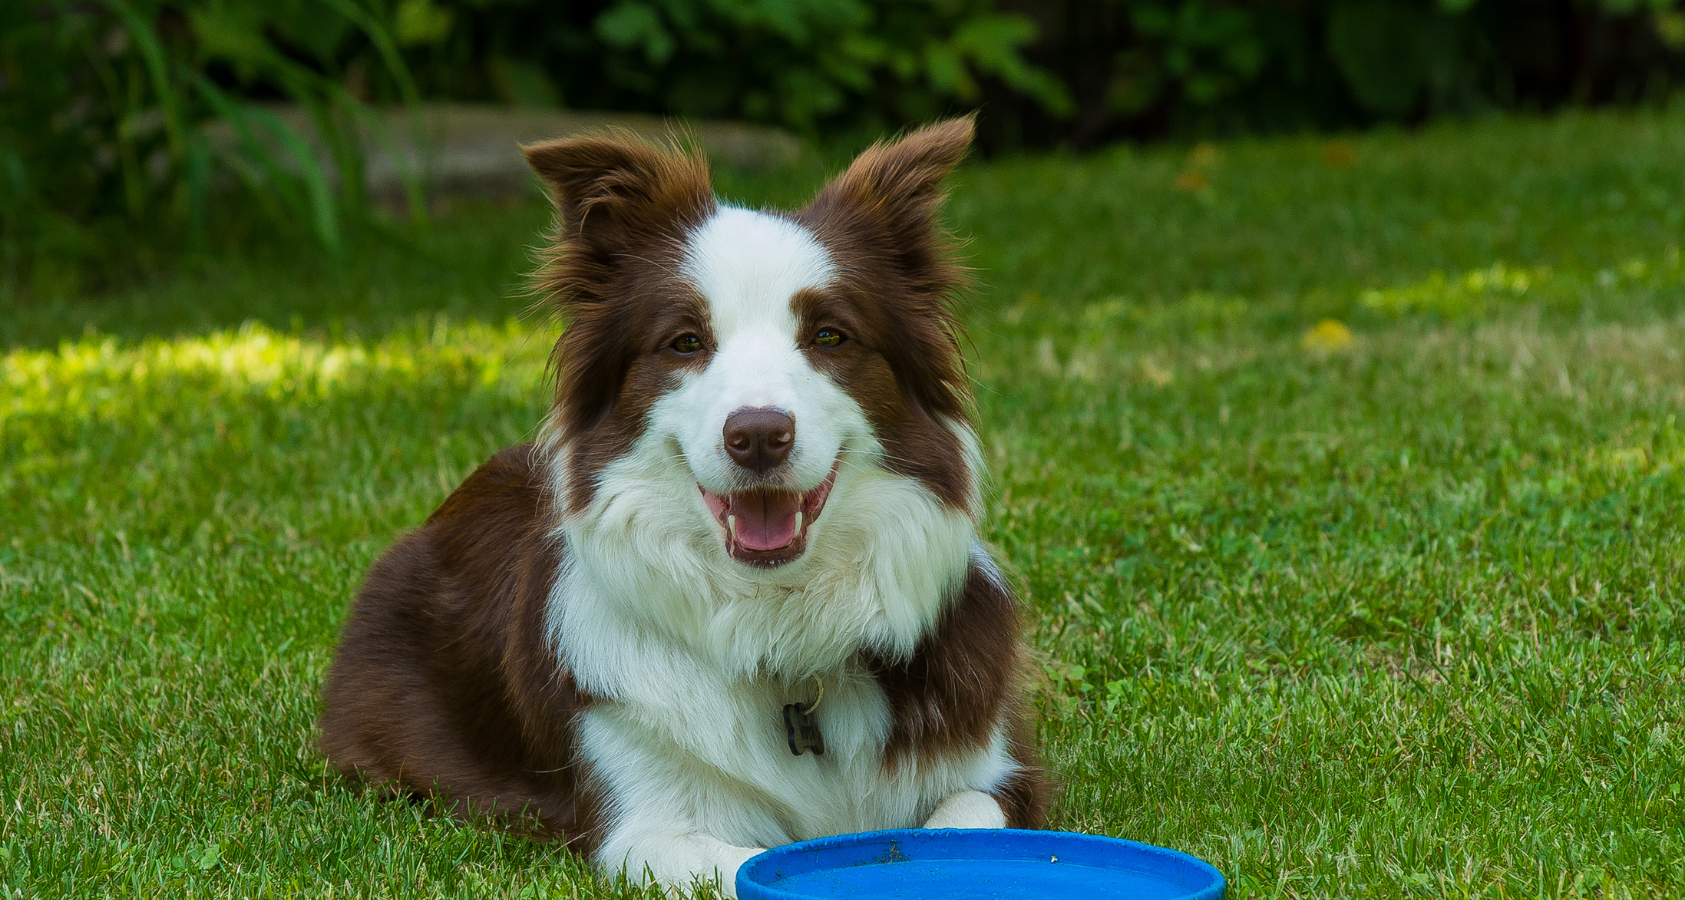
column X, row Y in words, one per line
column 828, row 337
column 686, row 344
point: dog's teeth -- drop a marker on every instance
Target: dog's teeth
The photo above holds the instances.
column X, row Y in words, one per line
column 731, row 526
column 798, row 523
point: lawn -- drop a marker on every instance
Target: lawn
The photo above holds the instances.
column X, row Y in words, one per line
column 1343, row 481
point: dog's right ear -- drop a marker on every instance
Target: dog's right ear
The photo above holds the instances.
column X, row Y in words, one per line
column 614, row 189
column 621, row 202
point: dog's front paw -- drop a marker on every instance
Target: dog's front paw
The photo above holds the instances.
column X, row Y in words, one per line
column 689, row 865
column 967, row 809
column 732, row 860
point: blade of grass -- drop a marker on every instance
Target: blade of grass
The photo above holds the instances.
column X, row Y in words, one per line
column 324, row 212
column 157, row 68
column 198, row 189
column 271, row 186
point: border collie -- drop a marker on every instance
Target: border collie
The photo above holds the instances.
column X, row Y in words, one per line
column 733, row 595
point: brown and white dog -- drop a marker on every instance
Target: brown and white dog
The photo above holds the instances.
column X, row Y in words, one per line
column 757, row 489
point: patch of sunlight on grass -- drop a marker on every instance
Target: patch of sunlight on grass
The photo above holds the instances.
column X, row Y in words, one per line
column 1665, row 457
column 1456, row 296
column 99, row 374
column 1478, row 291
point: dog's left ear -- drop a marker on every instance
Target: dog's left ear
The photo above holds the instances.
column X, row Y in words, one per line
column 892, row 192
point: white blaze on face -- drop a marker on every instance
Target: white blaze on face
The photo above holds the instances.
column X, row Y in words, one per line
column 748, row 266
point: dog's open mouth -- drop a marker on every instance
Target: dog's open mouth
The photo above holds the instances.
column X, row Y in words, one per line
column 767, row 527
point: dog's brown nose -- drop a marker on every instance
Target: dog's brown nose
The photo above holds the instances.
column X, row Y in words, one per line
column 759, row 439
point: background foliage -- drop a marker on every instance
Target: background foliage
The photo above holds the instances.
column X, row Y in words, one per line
column 120, row 119
column 1078, row 71
column 109, row 116
column 1150, row 68
column 816, row 66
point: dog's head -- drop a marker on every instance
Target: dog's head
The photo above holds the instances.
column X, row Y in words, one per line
column 755, row 367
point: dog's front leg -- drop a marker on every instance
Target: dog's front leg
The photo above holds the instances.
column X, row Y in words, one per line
column 967, row 809
column 679, row 861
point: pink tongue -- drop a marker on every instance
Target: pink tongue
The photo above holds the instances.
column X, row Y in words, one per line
column 766, row 520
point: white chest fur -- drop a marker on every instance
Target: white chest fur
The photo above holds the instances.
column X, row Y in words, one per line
column 714, row 758
column 717, row 733
column 692, row 659
column 686, row 750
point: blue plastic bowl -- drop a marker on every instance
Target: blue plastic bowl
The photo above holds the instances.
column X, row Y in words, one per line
column 948, row 864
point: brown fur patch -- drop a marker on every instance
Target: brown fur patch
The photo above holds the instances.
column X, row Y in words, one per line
column 624, row 208
column 443, row 682
column 897, row 279
column 960, row 683
column 1026, row 796
column 916, row 443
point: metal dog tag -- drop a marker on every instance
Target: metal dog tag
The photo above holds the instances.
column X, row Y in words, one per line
column 801, row 730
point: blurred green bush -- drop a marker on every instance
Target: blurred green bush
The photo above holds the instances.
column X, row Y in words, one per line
column 107, row 165
column 106, row 161
column 1050, row 71
column 814, row 66
column 1144, row 69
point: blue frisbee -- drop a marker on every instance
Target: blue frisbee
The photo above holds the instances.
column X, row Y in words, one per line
column 950, row 864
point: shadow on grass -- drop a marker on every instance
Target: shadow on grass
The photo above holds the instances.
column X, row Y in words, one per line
column 470, row 265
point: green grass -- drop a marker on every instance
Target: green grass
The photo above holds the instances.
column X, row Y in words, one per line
column 1396, row 617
